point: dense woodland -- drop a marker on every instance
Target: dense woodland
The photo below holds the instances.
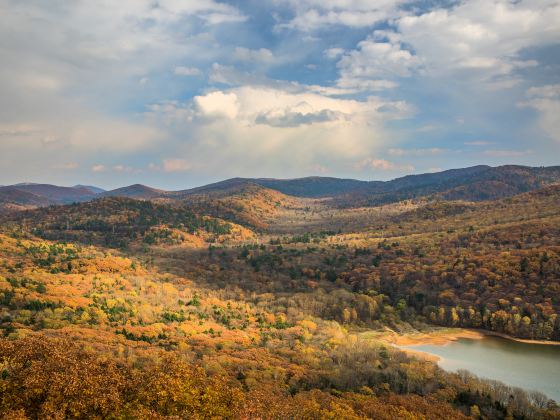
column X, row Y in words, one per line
column 189, row 308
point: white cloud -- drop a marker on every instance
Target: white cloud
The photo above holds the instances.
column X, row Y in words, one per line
column 315, row 14
column 265, row 130
column 481, row 36
column 176, row 165
column 217, row 104
column 546, row 100
column 547, row 91
column 98, row 168
column 259, row 104
column 373, row 64
column 476, row 40
column 187, row 71
column 382, row 165
column 261, row 55
column 122, row 168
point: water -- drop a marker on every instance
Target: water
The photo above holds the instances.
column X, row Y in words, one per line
column 528, row 366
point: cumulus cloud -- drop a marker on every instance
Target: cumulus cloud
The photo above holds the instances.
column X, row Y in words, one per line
column 294, row 118
column 268, row 130
column 481, row 36
column 217, row 104
column 477, row 39
column 545, row 100
column 374, row 64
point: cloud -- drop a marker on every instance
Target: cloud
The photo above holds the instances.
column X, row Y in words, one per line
column 434, row 151
column 373, row 64
column 187, row 71
column 545, row 100
column 261, row 55
column 332, row 53
column 66, row 166
column 217, row 104
column 98, row 168
column 18, row 131
column 176, row 165
column 115, row 85
column 263, row 104
column 474, row 40
column 481, row 37
column 290, row 118
column 382, row 165
column 258, row 130
column 507, row 153
column 478, row 143
column 314, row 14
column 122, row 168
column 547, row 91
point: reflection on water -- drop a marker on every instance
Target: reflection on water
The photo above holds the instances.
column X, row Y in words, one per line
column 528, row 366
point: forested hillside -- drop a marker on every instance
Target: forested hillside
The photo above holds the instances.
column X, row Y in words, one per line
column 194, row 307
column 123, row 222
column 91, row 333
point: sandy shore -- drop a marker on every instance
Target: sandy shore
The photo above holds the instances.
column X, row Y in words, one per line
column 441, row 337
column 437, row 337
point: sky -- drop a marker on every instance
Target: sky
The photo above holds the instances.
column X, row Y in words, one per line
column 179, row 93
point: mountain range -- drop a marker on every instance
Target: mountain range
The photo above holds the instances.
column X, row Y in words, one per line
column 477, row 183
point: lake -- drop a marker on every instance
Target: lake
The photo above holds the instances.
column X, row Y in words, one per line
column 528, row 366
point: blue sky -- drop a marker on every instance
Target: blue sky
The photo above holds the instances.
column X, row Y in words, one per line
column 177, row 93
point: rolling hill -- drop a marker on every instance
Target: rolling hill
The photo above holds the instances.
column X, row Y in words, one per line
column 119, row 221
column 60, row 195
column 15, row 199
column 137, row 191
column 477, row 183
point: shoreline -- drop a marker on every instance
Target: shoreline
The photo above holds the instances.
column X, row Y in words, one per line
column 445, row 336
column 519, row 340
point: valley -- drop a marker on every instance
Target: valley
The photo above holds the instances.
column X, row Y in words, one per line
column 239, row 300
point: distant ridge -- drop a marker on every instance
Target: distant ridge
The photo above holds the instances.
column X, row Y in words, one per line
column 55, row 193
column 476, row 183
column 138, row 191
column 14, row 196
column 312, row 186
column 93, row 189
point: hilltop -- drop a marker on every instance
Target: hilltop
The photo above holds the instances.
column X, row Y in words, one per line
column 477, row 183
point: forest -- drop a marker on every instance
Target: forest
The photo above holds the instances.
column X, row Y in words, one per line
column 207, row 307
